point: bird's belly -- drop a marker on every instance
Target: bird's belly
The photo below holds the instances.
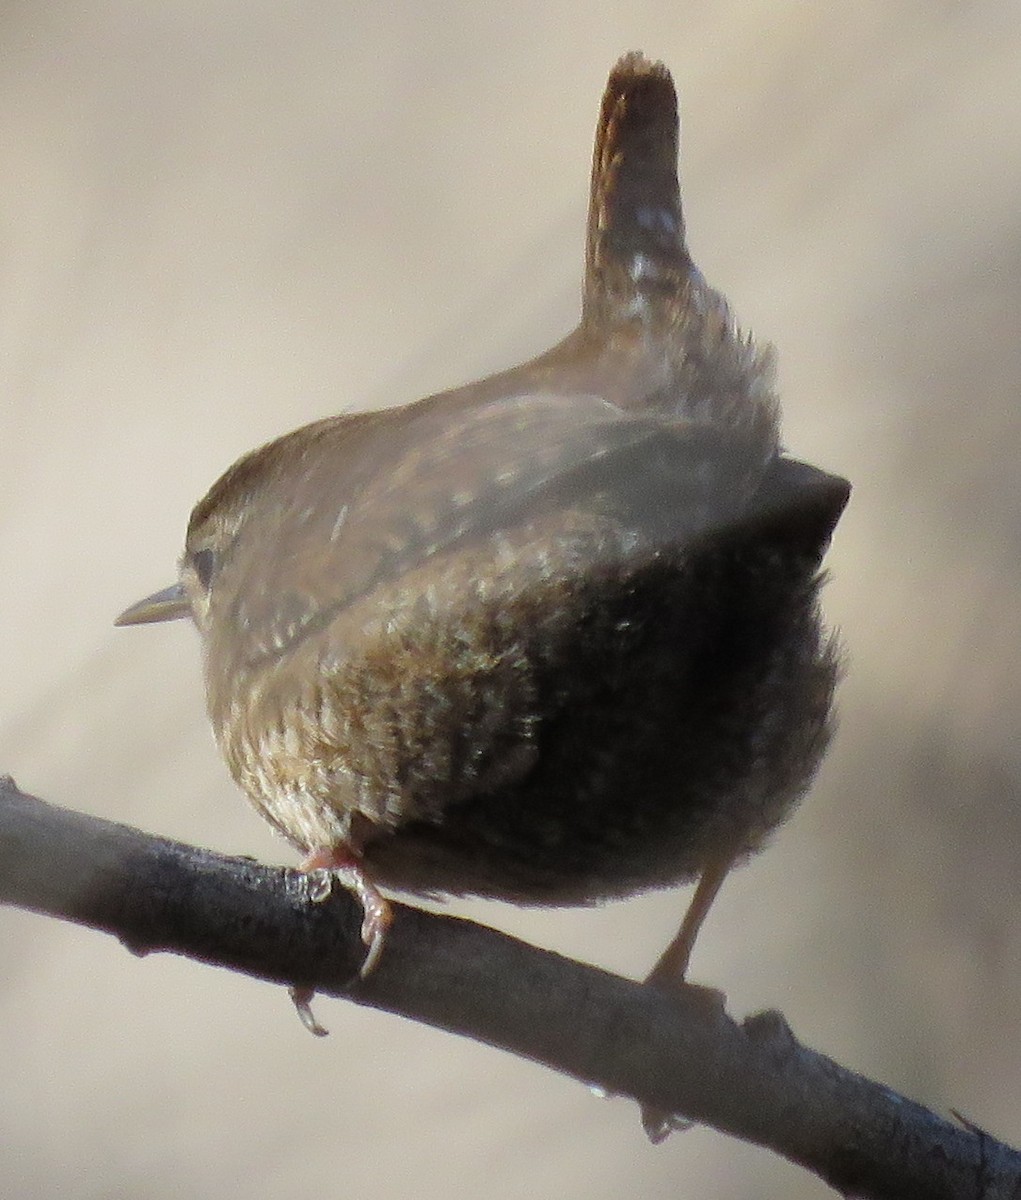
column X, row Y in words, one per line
column 666, row 736
column 552, row 737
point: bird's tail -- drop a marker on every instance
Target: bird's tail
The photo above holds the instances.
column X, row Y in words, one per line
column 635, row 255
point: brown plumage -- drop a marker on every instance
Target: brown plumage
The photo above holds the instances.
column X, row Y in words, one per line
column 553, row 636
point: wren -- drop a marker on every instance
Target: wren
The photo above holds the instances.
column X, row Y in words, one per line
column 553, row 636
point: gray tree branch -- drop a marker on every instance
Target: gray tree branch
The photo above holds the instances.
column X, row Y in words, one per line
column 752, row 1079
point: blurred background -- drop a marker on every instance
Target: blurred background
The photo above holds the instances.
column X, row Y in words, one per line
column 222, row 220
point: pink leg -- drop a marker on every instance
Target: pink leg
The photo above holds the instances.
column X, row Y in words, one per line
column 341, row 864
column 669, row 972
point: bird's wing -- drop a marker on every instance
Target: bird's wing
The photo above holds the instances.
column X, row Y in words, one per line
column 519, row 459
column 443, row 479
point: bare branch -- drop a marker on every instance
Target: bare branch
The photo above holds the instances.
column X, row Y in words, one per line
column 751, row 1079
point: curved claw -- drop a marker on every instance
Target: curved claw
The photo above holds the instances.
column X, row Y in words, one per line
column 322, row 869
column 659, row 1125
column 302, row 999
column 374, row 927
column 378, row 918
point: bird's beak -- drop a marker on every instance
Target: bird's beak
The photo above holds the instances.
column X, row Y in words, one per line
column 169, row 605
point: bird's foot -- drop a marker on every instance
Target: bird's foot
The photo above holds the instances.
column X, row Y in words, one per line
column 668, row 975
column 322, row 870
column 659, row 1125
column 325, row 868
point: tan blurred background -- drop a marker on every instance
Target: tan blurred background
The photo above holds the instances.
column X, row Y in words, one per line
column 221, row 220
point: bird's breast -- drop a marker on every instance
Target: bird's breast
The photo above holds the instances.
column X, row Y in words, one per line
column 417, row 695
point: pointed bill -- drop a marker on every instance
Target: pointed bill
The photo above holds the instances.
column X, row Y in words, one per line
column 169, row 605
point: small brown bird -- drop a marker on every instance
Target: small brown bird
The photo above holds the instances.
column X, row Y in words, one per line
column 551, row 637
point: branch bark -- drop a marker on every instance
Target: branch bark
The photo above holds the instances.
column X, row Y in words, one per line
column 684, row 1054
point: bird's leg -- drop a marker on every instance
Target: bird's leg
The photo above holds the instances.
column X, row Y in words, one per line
column 341, row 864
column 669, row 972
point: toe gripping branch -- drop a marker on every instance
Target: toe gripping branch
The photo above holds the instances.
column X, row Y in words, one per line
column 323, row 869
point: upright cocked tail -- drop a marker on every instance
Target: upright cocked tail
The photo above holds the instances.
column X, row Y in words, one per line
column 635, row 256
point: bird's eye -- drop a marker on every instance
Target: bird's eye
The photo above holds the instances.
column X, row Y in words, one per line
column 204, row 561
